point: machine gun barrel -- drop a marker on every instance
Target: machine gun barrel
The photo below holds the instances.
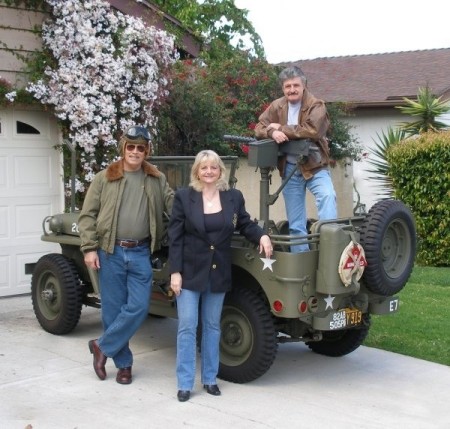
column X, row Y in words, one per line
column 238, row 139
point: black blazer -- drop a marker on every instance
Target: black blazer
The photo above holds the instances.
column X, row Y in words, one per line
column 192, row 253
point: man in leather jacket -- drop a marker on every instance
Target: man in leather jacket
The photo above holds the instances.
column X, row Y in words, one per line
column 300, row 115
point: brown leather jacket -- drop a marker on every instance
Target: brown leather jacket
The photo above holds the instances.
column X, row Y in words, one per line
column 313, row 124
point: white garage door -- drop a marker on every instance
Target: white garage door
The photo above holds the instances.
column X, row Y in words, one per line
column 30, row 189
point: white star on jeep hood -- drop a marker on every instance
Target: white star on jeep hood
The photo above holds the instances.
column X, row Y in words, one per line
column 268, row 263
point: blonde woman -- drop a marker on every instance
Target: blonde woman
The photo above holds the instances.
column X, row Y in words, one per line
column 204, row 217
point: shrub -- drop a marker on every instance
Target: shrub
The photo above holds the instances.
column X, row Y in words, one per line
column 421, row 178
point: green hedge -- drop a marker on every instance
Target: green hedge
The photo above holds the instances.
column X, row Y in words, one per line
column 420, row 172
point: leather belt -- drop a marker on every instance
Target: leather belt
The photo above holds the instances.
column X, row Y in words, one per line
column 131, row 243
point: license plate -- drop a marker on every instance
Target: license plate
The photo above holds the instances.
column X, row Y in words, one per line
column 345, row 318
column 353, row 317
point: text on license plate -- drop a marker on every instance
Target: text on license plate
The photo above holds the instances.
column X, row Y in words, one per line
column 346, row 318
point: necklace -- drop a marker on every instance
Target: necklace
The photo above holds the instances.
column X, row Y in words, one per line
column 209, row 202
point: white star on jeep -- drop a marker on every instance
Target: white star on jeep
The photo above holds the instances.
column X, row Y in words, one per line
column 329, row 300
column 268, row 263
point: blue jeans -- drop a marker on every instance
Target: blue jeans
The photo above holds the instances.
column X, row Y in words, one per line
column 125, row 282
column 188, row 309
column 294, row 193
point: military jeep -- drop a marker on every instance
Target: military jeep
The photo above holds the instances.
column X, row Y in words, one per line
column 323, row 297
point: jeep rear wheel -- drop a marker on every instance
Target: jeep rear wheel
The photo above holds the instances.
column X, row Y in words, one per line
column 56, row 294
column 340, row 343
column 248, row 343
column 389, row 240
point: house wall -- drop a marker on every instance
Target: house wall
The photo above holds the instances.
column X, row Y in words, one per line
column 445, row 119
column 17, row 40
column 367, row 124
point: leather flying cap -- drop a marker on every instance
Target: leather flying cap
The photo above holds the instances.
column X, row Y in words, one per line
column 137, row 132
column 134, row 135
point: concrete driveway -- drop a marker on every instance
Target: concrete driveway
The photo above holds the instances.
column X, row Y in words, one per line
column 47, row 382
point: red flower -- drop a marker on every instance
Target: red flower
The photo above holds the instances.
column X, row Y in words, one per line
column 263, row 108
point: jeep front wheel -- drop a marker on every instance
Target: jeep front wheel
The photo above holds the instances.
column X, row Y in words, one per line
column 248, row 343
column 56, row 294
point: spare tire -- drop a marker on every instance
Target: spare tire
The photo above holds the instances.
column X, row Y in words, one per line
column 388, row 236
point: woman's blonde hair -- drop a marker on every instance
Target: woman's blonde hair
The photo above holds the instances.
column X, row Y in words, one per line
column 205, row 156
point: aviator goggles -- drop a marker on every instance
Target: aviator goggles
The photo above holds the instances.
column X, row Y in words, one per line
column 137, row 133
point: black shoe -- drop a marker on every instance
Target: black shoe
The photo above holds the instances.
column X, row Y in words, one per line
column 183, row 395
column 212, row 389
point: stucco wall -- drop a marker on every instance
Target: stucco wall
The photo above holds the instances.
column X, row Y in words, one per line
column 368, row 125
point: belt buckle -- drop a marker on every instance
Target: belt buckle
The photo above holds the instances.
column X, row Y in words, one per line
column 128, row 243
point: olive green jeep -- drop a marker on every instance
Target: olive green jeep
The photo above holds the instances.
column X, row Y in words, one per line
column 324, row 297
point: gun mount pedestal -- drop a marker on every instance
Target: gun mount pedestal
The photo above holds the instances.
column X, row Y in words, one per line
column 264, row 154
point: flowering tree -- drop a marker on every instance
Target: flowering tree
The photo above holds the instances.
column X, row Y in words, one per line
column 208, row 101
column 107, row 71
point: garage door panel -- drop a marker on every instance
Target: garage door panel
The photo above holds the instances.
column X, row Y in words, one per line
column 4, row 223
column 33, row 172
column 28, row 219
column 4, row 271
column 24, row 222
column 3, row 172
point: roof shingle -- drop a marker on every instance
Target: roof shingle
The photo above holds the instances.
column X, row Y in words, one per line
column 378, row 79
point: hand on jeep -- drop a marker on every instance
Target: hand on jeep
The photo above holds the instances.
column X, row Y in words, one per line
column 266, row 245
column 175, row 283
column 91, row 260
column 279, row 137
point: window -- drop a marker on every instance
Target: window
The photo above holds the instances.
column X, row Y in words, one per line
column 23, row 128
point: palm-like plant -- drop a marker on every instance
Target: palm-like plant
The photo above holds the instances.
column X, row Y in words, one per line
column 379, row 165
column 427, row 108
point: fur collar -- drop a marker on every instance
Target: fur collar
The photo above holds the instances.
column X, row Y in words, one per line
column 115, row 170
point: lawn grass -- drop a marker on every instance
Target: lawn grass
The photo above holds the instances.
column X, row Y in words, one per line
column 421, row 328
